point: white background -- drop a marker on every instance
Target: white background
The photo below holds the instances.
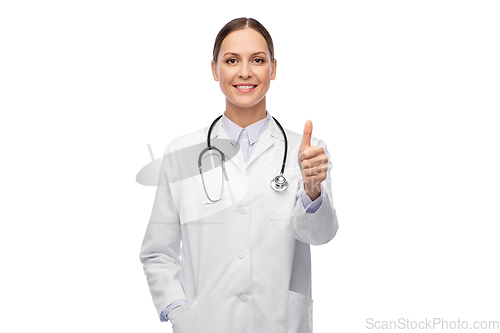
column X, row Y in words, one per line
column 405, row 93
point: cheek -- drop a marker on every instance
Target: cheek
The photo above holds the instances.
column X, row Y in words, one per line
column 265, row 76
column 227, row 74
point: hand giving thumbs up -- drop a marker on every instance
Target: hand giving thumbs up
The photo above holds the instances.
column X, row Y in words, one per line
column 313, row 164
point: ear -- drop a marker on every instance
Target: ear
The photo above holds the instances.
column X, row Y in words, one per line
column 273, row 72
column 214, row 71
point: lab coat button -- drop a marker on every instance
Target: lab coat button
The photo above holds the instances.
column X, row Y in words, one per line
column 243, row 297
column 243, row 211
column 241, row 254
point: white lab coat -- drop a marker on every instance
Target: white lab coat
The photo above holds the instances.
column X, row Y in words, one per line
column 244, row 265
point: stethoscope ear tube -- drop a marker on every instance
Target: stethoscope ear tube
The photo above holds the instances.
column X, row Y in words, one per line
column 279, row 182
column 200, row 169
column 222, row 156
column 286, row 149
column 210, row 130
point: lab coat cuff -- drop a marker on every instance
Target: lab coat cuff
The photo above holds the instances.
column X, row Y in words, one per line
column 164, row 313
column 309, row 205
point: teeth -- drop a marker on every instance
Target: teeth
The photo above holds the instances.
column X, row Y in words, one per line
column 245, row 87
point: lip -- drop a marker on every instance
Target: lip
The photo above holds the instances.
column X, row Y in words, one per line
column 245, row 90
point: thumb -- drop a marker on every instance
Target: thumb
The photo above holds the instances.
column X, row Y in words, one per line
column 306, row 137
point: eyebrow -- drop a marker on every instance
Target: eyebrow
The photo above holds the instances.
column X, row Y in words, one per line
column 233, row 53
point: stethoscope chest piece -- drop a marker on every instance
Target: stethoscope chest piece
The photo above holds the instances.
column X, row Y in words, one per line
column 279, row 183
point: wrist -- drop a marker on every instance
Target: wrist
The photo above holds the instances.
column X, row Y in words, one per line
column 313, row 194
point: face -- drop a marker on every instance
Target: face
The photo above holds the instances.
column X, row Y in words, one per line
column 244, row 60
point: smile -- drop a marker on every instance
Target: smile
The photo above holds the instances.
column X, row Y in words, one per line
column 246, row 88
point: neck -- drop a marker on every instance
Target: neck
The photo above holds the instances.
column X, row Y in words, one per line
column 246, row 116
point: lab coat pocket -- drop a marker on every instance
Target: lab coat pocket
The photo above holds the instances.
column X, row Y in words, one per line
column 184, row 319
column 279, row 205
column 299, row 313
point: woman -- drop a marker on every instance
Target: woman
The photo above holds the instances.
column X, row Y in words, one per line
column 246, row 264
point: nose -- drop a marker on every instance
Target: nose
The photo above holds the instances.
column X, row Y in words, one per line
column 245, row 71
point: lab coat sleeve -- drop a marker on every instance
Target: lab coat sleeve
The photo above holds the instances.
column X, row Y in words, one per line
column 321, row 226
column 160, row 251
column 164, row 312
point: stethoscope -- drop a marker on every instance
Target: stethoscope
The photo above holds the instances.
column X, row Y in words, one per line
column 278, row 183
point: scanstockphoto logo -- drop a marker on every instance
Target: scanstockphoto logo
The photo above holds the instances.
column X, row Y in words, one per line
column 184, row 163
column 196, row 160
column 204, row 185
column 431, row 324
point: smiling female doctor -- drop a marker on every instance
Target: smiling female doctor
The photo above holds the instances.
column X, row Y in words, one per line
column 245, row 263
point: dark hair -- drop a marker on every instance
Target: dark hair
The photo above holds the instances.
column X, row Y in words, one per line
column 238, row 24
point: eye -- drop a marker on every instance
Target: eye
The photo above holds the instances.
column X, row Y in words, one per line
column 261, row 60
column 229, row 61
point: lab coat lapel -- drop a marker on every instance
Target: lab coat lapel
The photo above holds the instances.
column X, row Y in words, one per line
column 228, row 149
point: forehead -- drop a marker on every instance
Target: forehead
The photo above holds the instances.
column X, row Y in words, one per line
column 245, row 41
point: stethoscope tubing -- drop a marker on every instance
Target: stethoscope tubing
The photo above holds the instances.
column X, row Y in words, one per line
column 277, row 123
column 278, row 183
